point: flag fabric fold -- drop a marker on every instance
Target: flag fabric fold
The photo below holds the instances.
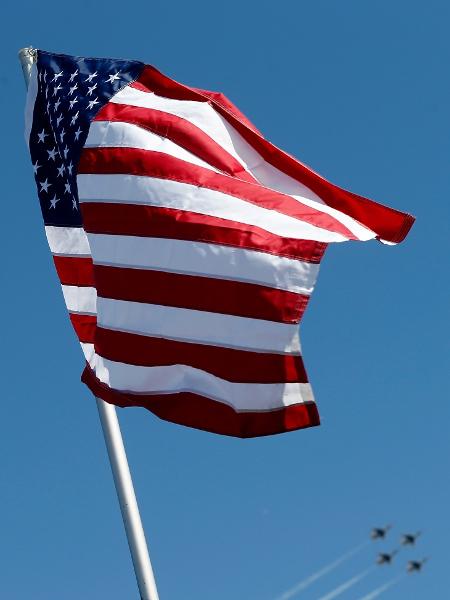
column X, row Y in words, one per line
column 186, row 244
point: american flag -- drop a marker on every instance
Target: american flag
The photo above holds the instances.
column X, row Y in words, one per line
column 186, row 244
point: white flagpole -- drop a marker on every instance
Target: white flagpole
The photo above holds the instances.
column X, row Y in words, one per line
column 118, row 458
column 127, row 501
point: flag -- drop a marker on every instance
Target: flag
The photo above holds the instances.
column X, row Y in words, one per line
column 186, row 244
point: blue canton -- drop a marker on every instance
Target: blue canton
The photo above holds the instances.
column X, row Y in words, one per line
column 71, row 91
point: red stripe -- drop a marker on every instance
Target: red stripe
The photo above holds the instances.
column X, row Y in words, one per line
column 151, row 80
column 180, row 131
column 74, row 270
column 199, row 293
column 239, row 366
column 221, row 100
column 193, row 410
column 135, row 161
column 85, row 327
column 389, row 224
column 152, row 221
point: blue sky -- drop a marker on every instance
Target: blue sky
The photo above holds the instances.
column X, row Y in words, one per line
column 360, row 91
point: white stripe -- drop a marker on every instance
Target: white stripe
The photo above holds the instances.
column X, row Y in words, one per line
column 80, row 299
column 31, row 99
column 88, row 351
column 67, row 241
column 136, row 189
column 125, row 135
column 182, row 378
column 198, row 326
column 271, row 177
column 197, row 258
column 203, row 115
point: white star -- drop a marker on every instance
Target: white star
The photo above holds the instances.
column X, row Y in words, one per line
column 40, row 75
column 36, row 166
column 66, row 151
column 77, row 133
column 72, row 77
column 74, row 118
column 92, row 103
column 91, row 77
column 67, row 189
column 53, row 201
column 74, row 101
column 45, row 76
column 44, row 185
column 56, row 89
column 73, row 88
column 57, row 76
column 42, row 136
column 112, row 78
column 91, row 89
column 56, row 105
column 70, row 167
column 52, row 153
column 62, row 134
column 74, row 204
column 58, row 120
column 46, row 92
column 61, row 170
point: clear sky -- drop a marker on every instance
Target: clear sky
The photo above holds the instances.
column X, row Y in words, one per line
column 361, row 92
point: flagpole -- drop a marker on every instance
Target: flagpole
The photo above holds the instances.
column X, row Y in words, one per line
column 117, row 458
column 127, row 500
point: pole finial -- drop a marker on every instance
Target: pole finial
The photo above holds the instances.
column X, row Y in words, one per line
column 27, row 57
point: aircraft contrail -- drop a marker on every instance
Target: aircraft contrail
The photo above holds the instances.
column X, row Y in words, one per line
column 381, row 589
column 302, row 585
column 346, row 585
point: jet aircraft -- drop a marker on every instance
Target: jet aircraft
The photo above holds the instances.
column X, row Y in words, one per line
column 384, row 558
column 415, row 565
column 378, row 533
column 409, row 539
